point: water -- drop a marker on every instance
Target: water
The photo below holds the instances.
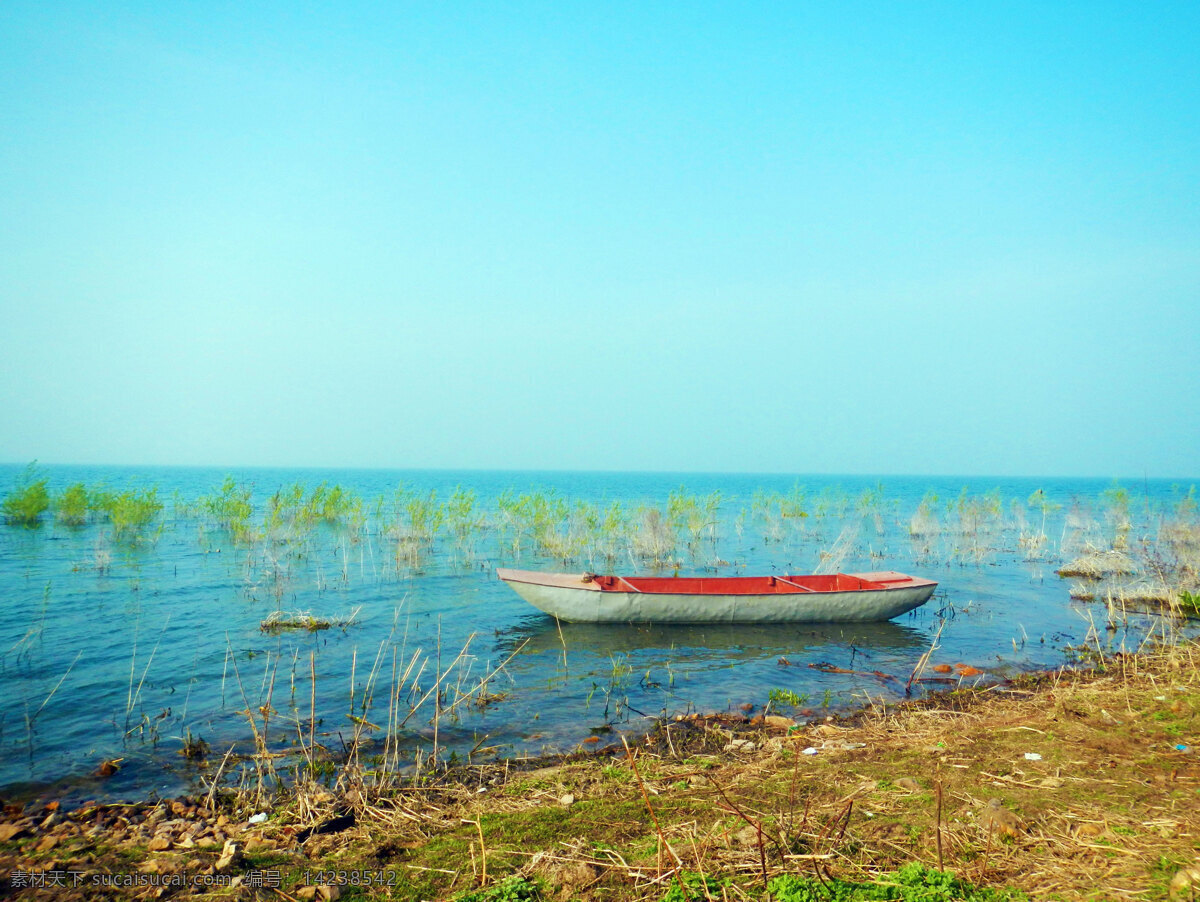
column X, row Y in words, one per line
column 111, row 649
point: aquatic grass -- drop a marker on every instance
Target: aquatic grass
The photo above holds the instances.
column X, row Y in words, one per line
column 510, row 523
column 72, row 505
column 330, row 504
column 231, row 508
column 425, row 516
column 924, row 520
column 655, row 541
column 1034, row 543
column 612, row 531
column 551, row 526
column 775, row 513
column 466, row 524
column 1151, row 574
column 833, row 559
column 279, row 621
column 1116, row 503
column 281, row 520
column 978, row 525
column 1099, row 563
column 28, row 500
column 697, row 517
column 132, row 511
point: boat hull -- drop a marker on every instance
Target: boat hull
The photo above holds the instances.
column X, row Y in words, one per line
column 572, row 598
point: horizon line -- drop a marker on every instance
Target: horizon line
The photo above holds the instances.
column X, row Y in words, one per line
column 566, row 470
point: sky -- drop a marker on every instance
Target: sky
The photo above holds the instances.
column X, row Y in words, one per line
column 895, row 238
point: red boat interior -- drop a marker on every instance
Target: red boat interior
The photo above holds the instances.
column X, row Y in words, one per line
column 739, row 585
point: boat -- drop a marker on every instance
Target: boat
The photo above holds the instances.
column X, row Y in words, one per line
column 818, row 598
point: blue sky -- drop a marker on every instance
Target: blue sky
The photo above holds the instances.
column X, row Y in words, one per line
column 893, row 238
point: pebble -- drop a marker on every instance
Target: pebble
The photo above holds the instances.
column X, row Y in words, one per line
column 48, row 843
column 258, row 844
column 230, row 855
column 326, row 892
column 775, row 720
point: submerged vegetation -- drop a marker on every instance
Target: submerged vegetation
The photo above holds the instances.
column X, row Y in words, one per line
column 72, row 505
column 1113, row 554
column 28, row 500
column 130, row 512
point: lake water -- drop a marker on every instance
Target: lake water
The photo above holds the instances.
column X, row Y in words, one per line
column 119, row 648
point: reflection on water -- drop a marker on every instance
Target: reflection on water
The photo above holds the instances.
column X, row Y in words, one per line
column 731, row 642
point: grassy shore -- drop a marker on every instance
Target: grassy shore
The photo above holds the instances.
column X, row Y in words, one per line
column 1075, row 784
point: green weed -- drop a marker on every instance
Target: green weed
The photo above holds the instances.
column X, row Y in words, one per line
column 28, row 500
column 691, row 887
column 786, row 697
column 230, row 507
column 131, row 511
column 71, row 506
column 1189, row 603
column 912, row 883
column 511, row 889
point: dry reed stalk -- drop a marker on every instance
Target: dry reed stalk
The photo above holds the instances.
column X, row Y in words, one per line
column 438, row 682
column 757, row 825
column 134, row 696
column 395, row 723
column 216, row 779
column 483, row 683
column 662, row 840
column 312, row 701
column 563, row 643
column 46, row 700
column 923, row 661
column 482, row 851
column 941, row 861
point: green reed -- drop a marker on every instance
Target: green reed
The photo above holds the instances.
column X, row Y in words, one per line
column 330, row 504
column 465, row 522
column 231, row 508
column 28, row 500
column 131, row 512
column 71, row 505
column 695, row 516
column 426, row 516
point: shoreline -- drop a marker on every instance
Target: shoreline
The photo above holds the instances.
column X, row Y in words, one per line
column 86, row 790
column 1095, row 767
